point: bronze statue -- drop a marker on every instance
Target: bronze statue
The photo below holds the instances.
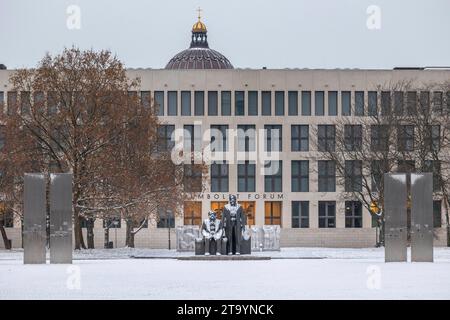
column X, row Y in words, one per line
column 234, row 221
column 212, row 231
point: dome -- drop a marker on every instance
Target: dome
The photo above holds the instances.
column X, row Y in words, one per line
column 199, row 55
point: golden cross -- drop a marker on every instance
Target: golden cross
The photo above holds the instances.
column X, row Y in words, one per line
column 199, row 13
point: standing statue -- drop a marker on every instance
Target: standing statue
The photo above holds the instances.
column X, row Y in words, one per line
column 234, row 221
column 212, row 231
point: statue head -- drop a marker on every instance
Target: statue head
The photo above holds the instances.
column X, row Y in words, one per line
column 232, row 199
column 212, row 216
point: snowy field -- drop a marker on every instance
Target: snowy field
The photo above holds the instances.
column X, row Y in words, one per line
column 293, row 273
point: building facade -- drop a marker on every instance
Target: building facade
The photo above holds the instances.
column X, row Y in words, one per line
column 202, row 98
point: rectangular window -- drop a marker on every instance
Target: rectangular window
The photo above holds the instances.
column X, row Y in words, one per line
column 326, row 137
column 219, row 139
column 192, row 138
column 300, row 214
column 212, row 103
column 217, row 207
column 192, row 213
column 159, row 100
column 359, row 103
column 433, row 137
column 52, row 104
column 332, row 103
column 346, row 103
column 273, row 137
column 25, row 102
column 266, row 97
column 172, row 103
column 293, row 103
column 300, row 137
column 165, row 139
column 306, row 103
column 434, row 166
column 226, row 103
column 406, row 166
column 327, row 214
column 253, row 103
column 112, row 223
column 319, row 103
column 246, row 137
column 2, row 141
column 8, row 218
column 279, row 103
column 405, row 138
column 372, row 103
column 437, row 102
column 411, row 103
column 326, row 175
column 353, row 137
column 166, row 218
column 12, row 102
column 398, row 103
column 437, row 216
column 353, row 214
column 273, row 176
column 146, row 99
column 192, row 177
column 239, row 103
column 249, row 211
column 300, row 175
column 272, row 212
column 246, row 176
column 2, row 102
column 379, row 136
column 199, row 103
column 219, row 177
column 353, row 175
column 378, row 168
column 385, row 103
column 425, row 101
column 185, row 103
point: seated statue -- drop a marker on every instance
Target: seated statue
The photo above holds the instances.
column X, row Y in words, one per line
column 212, row 231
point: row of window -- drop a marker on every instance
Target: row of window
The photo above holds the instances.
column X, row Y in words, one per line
column 300, row 141
column 253, row 103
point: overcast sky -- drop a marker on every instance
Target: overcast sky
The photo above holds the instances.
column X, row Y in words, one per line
column 251, row 33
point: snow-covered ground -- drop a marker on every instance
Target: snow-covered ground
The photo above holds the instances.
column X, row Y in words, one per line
column 112, row 274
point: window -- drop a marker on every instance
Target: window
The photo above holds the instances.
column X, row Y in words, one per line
column 406, row 166
column 112, row 223
column 346, row 103
column 353, row 214
column 319, row 103
column 239, row 103
column 146, row 99
column 353, row 176
column 359, row 103
column 405, row 138
column 217, row 207
column 192, row 138
column 165, row 142
column 2, row 101
column 326, row 137
column 185, row 103
column 437, row 101
column 12, row 102
column 425, row 101
column 378, row 168
column 327, row 214
column 279, row 103
column 219, row 134
column 300, row 137
column 273, row 176
column 306, row 103
column 52, row 103
column 2, row 138
column 300, row 175
column 398, row 103
column 300, row 214
column 327, row 175
column 172, row 103
column 253, row 103
column 249, row 211
column 25, row 102
column 372, row 103
column 433, row 137
column 437, row 216
column 353, row 137
column 246, row 176
column 411, row 103
column 272, row 213
column 385, row 103
column 212, row 103
column 273, row 137
column 293, row 103
column 246, row 137
column 219, row 177
column 192, row 178
column 192, row 213
column 379, row 136
column 8, row 218
column 266, row 97
column 166, row 218
column 332, row 103
column 199, row 103
column 226, row 103
column 434, row 166
column 159, row 100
